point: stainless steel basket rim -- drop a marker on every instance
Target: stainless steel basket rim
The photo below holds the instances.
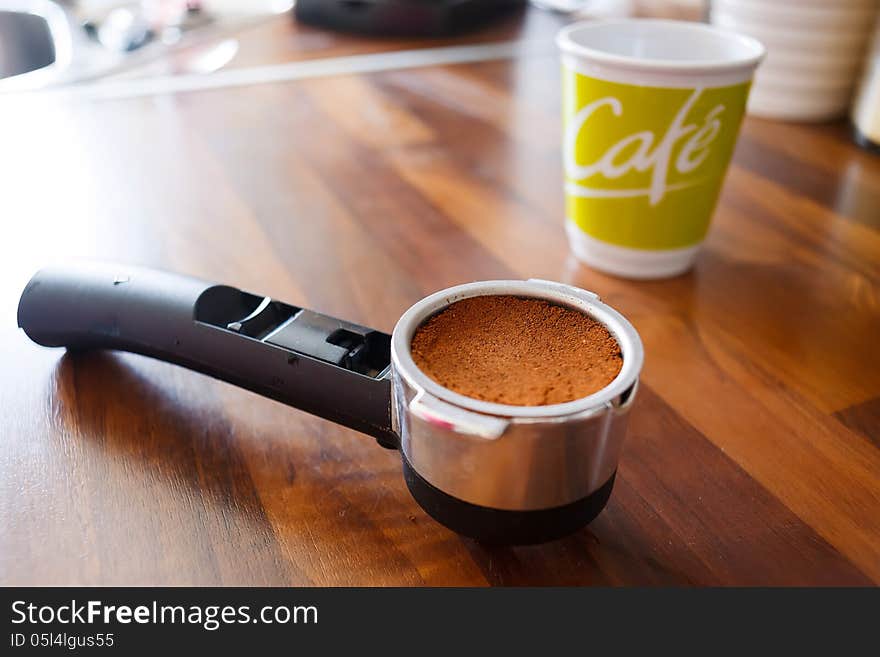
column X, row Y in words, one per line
column 566, row 295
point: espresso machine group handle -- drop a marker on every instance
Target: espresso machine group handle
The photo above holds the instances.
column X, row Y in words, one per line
column 329, row 367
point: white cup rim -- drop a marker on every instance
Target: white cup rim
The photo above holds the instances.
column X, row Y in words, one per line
column 752, row 50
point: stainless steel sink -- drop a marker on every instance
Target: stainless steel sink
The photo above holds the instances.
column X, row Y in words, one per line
column 35, row 43
column 26, row 43
column 43, row 43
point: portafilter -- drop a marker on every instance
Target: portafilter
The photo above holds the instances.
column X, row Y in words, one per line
column 495, row 472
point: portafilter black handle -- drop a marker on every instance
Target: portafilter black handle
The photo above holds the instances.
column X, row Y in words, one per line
column 329, row 367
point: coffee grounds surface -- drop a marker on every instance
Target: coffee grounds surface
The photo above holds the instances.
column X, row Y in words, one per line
column 518, row 351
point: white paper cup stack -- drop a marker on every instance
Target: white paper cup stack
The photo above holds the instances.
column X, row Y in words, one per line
column 815, row 50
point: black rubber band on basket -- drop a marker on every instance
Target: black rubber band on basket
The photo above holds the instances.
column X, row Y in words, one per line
column 501, row 526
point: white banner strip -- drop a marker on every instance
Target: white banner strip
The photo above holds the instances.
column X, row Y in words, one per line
column 349, row 65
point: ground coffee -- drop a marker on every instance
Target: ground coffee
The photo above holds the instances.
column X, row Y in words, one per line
column 511, row 350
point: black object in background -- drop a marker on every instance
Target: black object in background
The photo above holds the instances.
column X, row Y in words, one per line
column 864, row 141
column 402, row 17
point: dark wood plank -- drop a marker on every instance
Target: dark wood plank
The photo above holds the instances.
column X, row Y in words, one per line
column 864, row 418
column 846, row 190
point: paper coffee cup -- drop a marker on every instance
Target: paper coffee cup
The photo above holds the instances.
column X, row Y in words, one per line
column 651, row 112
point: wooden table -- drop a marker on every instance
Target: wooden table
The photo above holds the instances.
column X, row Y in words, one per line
column 754, row 450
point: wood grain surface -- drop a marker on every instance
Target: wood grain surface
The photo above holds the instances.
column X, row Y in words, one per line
column 753, row 455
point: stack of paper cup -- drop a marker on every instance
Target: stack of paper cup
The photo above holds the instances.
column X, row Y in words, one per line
column 866, row 108
column 815, row 49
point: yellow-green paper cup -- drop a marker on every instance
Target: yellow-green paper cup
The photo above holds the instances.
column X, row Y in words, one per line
column 651, row 112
